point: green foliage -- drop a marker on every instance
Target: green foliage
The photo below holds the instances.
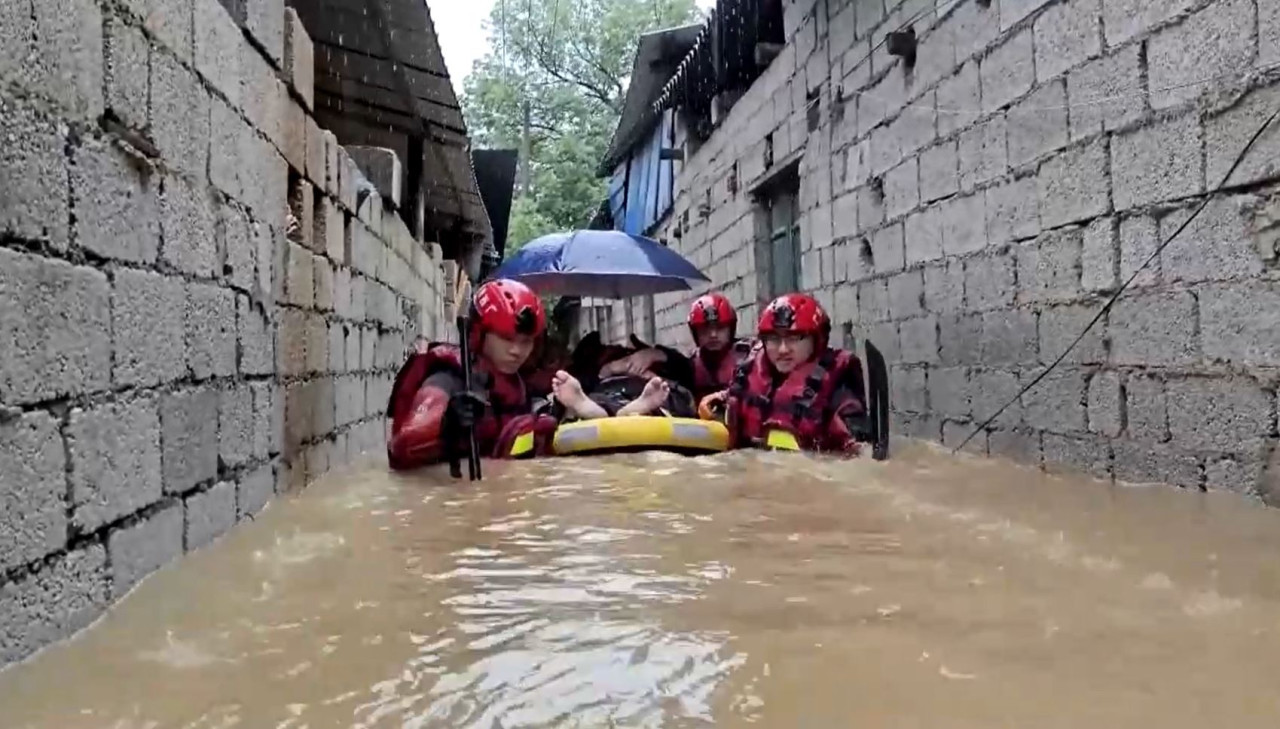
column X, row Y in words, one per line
column 567, row 62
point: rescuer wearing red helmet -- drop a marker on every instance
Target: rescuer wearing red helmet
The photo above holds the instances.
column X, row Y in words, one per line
column 796, row 392
column 713, row 324
column 429, row 407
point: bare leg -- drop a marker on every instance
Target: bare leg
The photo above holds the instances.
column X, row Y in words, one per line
column 569, row 392
column 654, row 395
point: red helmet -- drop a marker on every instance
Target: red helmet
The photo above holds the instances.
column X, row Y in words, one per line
column 712, row 310
column 506, row 308
column 797, row 314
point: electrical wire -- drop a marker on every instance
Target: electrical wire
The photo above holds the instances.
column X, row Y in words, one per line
column 1114, row 297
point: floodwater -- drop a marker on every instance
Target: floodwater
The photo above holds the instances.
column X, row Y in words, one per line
column 651, row 590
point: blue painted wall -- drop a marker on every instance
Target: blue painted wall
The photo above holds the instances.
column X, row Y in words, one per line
column 641, row 187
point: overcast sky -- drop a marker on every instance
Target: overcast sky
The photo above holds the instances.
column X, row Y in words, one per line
column 460, row 27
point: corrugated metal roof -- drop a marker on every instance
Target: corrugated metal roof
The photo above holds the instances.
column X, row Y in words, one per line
column 657, row 55
column 379, row 66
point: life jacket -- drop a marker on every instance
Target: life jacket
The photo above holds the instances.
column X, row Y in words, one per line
column 800, row 405
column 506, row 423
column 707, row 380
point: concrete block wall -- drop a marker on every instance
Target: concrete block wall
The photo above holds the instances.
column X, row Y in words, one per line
column 196, row 316
column 972, row 214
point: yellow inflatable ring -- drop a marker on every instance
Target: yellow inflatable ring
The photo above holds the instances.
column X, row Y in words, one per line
column 641, row 433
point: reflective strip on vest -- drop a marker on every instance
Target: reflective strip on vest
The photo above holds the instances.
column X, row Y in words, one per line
column 781, row 440
column 523, row 445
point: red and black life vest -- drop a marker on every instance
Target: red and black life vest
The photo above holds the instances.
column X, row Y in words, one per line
column 801, row 404
column 507, row 416
column 707, row 380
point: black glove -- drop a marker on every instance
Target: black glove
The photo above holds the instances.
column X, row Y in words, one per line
column 465, row 408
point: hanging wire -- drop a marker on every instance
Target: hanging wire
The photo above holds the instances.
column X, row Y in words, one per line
column 1114, row 297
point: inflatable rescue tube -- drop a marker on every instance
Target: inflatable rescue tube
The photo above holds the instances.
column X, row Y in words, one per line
column 641, row 433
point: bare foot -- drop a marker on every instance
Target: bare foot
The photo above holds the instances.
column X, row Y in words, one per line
column 652, row 398
column 567, row 390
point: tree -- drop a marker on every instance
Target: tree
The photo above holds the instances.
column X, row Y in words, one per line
column 552, row 85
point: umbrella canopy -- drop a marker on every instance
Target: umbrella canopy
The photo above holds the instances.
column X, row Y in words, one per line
column 606, row 264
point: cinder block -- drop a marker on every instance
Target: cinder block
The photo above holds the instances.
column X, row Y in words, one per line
column 1232, row 415
column 350, row 394
column 1154, row 329
column 1067, row 34
column 992, row 390
column 17, row 34
column 337, row 347
column 144, row 547
column 52, row 604
column 381, row 167
column 54, row 321
column 960, row 92
column 906, row 296
column 990, row 282
column 1057, row 403
column 299, row 417
column 954, row 433
column 211, row 331
column 1242, row 474
column 1146, row 408
column 1074, row 185
column 217, row 49
column 1099, row 257
column 1009, row 337
column 293, row 134
column 1059, row 327
column 901, row 190
column 210, row 514
column 1138, row 242
column 1268, row 34
column 330, row 229
column 944, row 288
column 237, row 248
column 1126, row 19
column 317, row 344
column 300, row 281
column 1240, row 323
column 68, row 61
column 291, row 338
column 256, row 343
column 1114, row 78
column 299, row 58
column 1106, row 404
column 115, row 461
column 1156, row 463
column 1216, row 42
column 125, row 72
column 1020, row 446
column 960, row 340
column 323, row 284
column 179, row 116
column 170, row 22
column 235, row 425
column 1232, row 254
column 267, row 422
column 910, row 390
column 964, row 224
column 342, row 292
column 264, row 19
column 949, row 392
column 34, row 200
column 255, row 491
column 34, row 521
column 1049, row 267
column 919, row 340
column 261, row 92
column 226, row 148
column 1227, row 133
column 116, row 203
column 1078, row 453
column 148, row 321
column 1012, row 211
column 939, row 171
column 983, row 153
column 1007, row 72
column 1157, row 163
column 368, row 349
column 188, row 227
column 189, row 425
column 353, row 349
column 323, row 407
column 1038, row 124
column 316, row 159
column 1013, row 11
column 333, row 165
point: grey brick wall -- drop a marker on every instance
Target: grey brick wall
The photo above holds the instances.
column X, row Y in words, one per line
column 175, row 357
column 1036, row 155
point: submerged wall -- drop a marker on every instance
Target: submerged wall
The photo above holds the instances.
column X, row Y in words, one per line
column 972, row 214
column 194, row 316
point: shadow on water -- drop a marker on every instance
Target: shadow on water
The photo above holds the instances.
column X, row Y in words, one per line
column 652, row 590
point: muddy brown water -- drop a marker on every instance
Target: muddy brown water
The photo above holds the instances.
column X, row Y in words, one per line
column 652, row 590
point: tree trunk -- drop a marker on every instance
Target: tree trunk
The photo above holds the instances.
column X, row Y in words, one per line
column 526, row 149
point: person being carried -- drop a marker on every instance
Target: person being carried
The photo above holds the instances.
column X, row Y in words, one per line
column 431, row 411
column 796, row 392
